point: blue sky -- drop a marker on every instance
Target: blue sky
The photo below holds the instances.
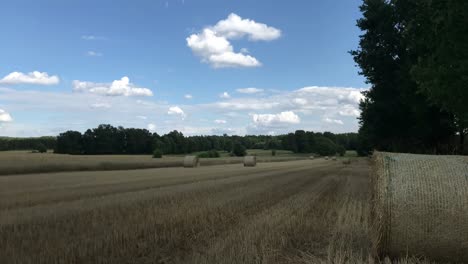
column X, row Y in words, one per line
column 202, row 67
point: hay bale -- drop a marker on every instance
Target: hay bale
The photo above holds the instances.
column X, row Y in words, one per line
column 250, row 161
column 420, row 206
column 326, row 157
column 311, row 157
column 334, row 158
column 191, row 162
column 347, row 161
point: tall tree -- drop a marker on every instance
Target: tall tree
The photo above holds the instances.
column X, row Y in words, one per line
column 394, row 115
column 439, row 34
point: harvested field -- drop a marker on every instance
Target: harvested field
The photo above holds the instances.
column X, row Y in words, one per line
column 22, row 162
column 309, row 211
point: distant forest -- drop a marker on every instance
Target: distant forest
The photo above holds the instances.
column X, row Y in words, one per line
column 106, row 139
column 414, row 55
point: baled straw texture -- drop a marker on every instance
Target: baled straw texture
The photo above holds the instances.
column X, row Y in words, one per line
column 191, row 162
column 312, row 157
column 420, row 206
column 250, row 161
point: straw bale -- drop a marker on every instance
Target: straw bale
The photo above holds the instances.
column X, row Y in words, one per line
column 311, row 157
column 250, row 161
column 420, row 206
column 191, row 162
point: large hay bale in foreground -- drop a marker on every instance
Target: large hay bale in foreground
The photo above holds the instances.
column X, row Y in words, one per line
column 191, row 162
column 420, row 206
column 250, row 161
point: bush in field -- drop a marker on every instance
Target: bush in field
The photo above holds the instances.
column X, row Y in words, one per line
column 325, row 146
column 209, row 154
column 273, row 152
column 238, row 150
column 157, row 154
column 340, row 150
column 41, row 148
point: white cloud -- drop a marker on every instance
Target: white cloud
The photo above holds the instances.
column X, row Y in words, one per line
column 35, row 77
column 300, row 101
column 101, row 105
column 217, row 51
column 93, row 54
column 151, row 127
column 235, row 27
column 249, row 90
column 333, row 121
column 213, row 46
column 142, row 117
column 349, row 110
column 4, row 116
column 287, row 117
column 92, row 37
column 220, row 121
column 225, row 95
column 232, row 59
column 121, row 87
column 188, row 96
column 175, row 110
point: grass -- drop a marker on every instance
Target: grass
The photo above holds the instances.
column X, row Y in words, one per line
column 290, row 212
column 25, row 162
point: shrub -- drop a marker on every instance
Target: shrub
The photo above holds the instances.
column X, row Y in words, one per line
column 273, row 152
column 340, row 150
column 239, row 150
column 209, row 154
column 157, row 154
column 41, row 148
column 325, row 147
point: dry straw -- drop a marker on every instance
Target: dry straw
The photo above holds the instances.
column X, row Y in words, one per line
column 326, row 157
column 191, row 162
column 334, row 158
column 420, row 206
column 311, row 157
column 347, row 161
column 250, row 161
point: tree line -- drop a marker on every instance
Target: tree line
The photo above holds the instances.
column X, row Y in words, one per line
column 107, row 139
column 414, row 54
column 32, row 143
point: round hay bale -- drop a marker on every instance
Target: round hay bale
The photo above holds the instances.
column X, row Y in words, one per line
column 326, row 157
column 334, row 158
column 250, row 161
column 311, row 157
column 420, row 206
column 347, row 161
column 191, row 162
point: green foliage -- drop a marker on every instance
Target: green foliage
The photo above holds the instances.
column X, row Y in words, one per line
column 325, row 146
column 12, row 143
column 238, row 150
column 273, row 152
column 157, row 154
column 41, row 148
column 209, row 154
column 395, row 116
column 340, row 150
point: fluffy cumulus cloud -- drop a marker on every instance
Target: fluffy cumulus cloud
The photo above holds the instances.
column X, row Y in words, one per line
column 212, row 44
column 249, row 90
column 35, row 77
column 282, row 118
column 121, row 87
column 175, row 110
column 188, row 96
column 4, row 116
